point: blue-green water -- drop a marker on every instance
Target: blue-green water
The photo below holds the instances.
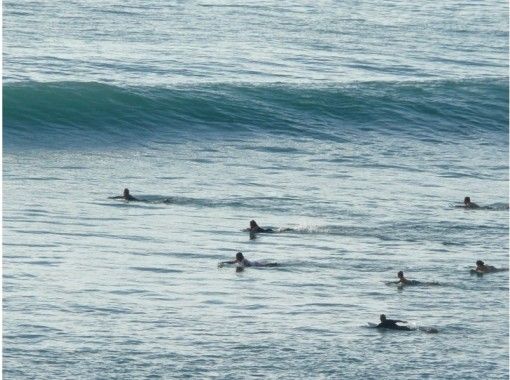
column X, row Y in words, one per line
column 357, row 125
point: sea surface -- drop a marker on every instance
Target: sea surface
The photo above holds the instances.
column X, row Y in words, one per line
column 352, row 128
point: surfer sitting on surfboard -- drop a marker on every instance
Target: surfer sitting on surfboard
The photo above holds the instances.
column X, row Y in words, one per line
column 126, row 196
column 391, row 324
column 241, row 261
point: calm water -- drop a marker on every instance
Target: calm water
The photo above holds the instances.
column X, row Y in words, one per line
column 358, row 125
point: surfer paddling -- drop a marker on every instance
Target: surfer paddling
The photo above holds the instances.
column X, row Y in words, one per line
column 243, row 262
column 391, row 324
column 255, row 228
column 482, row 268
column 469, row 204
column 126, row 196
column 404, row 281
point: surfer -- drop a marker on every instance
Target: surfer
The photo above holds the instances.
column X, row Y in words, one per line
column 126, row 196
column 255, row 228
column 242, row 262
column 482, row 268
column 469, row 204
column 404, row 281
column 391, row 324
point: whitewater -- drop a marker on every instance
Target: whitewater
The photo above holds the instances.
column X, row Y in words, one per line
column 353, row 129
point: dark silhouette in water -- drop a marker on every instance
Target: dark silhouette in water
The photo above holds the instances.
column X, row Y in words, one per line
column 391, row 324
column 126, row 196
column 242, row 262
column 469, row 204
column 482, row 268
column 255, row 228
column 404, row 281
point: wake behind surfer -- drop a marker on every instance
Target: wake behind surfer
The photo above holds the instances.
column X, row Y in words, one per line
column 126, row 196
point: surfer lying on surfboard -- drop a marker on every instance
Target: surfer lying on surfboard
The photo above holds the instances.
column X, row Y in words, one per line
column 482, row 268
column 391, row 324
column 242, row 262
column 126, row 196
column 404, row 281
column 469, row 204
column 255, row 228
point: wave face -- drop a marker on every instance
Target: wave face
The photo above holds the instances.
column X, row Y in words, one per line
column 78, row 112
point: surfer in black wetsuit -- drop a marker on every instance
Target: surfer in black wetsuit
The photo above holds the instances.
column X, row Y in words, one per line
column 391, row 324
column 482, row 268
column 404, row 281
column 242, row 262
column 469, row 204
column 126, row 196
column 255, row 228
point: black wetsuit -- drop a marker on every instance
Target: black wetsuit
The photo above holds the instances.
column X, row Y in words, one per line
column 392, row 324
column 259, row 229
column 128, row 198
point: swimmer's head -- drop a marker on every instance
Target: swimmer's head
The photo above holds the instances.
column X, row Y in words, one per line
column 467, row 200
column 400, row 274
column 479, row 263
column 382, row 317
column 126, row 192
column 253, row 224
column 239, row 256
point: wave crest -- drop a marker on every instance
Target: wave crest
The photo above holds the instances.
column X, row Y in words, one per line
column 95, row 110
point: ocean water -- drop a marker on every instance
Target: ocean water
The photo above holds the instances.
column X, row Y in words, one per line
column 351, row 128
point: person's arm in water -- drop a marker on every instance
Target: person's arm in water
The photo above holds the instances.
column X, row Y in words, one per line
column 390, row 323
column 223, row 263
column 127, row 197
